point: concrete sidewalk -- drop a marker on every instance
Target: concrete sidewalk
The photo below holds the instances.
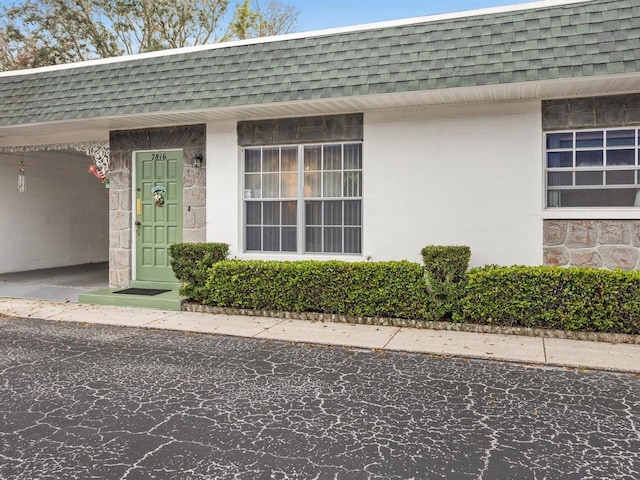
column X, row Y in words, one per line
column 512, row 348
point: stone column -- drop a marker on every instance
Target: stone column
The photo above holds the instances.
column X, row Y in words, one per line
column 192, row 140
column 120, row 220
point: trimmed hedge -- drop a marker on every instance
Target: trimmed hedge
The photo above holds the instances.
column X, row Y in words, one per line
column 446, row 268
column 361, row 289
column 536, row 297
column 445, row 263
column 191, row 263
column 554, row 298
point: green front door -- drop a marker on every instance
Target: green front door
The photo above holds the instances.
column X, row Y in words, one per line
column 158, row 213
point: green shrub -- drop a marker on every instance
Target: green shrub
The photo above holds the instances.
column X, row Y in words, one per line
column 553, row 297
column 446, row 263
column 191, row 263
column 386, row 289
column 445, row 271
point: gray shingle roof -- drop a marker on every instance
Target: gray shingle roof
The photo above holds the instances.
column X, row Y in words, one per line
column 574, row 40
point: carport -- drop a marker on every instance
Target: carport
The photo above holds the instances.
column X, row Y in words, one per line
column 62, row 284
column 54, row 213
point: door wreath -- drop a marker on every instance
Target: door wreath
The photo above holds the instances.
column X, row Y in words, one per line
column 159, row 192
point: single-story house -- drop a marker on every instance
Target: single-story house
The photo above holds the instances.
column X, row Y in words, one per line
column 513, row 130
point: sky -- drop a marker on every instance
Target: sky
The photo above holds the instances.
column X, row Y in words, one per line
column 323, row 14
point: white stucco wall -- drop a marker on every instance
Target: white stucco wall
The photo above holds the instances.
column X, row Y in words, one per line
column 457, row 175
column 62, row 218
column 223, row 185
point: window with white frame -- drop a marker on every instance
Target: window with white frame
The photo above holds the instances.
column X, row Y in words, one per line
column 303, row 199
column 593, row 168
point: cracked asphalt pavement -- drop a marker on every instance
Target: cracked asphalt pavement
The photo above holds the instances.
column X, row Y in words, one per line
column 82, row 401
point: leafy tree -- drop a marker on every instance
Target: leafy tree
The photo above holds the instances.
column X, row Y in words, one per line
column 255, row 19
column 36, row 33
column 244, row 21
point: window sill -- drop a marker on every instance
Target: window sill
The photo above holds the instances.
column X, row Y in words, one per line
column 295, row 257
column 628, row 213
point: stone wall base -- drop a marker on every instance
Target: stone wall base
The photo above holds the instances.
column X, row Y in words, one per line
column 608, row 244
column 402, row 322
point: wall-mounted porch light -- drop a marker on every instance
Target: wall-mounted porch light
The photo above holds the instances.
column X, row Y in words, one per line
column 197, row 160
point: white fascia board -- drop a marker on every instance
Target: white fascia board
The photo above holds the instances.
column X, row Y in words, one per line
column 523, row 91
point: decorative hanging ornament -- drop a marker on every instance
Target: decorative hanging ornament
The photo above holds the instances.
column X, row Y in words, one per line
column 99, row 155
column 21, row 180
column 99, row 173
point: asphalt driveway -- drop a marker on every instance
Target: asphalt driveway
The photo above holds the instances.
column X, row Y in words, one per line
column 89, row 401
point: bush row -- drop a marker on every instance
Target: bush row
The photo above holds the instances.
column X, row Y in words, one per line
column 387, row 289
column 538, row 297
column 554, row 298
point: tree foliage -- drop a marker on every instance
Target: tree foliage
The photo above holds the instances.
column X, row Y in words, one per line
column 36, row 33
column 254, row 19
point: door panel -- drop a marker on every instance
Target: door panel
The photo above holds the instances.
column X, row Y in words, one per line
column 160, row 224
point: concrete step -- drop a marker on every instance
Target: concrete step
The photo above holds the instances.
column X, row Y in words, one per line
column 150, row 284
column 170, row 300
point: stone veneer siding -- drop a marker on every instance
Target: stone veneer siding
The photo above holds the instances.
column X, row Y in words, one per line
column 591, row 112
column 592, row 243
column 192, row 140
column 327, row 128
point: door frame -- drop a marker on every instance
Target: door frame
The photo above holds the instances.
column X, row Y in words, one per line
column 134, row 180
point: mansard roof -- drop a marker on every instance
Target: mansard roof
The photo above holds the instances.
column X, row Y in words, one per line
column 538, row 42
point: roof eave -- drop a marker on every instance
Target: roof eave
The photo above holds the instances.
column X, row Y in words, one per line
column 98, row 128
